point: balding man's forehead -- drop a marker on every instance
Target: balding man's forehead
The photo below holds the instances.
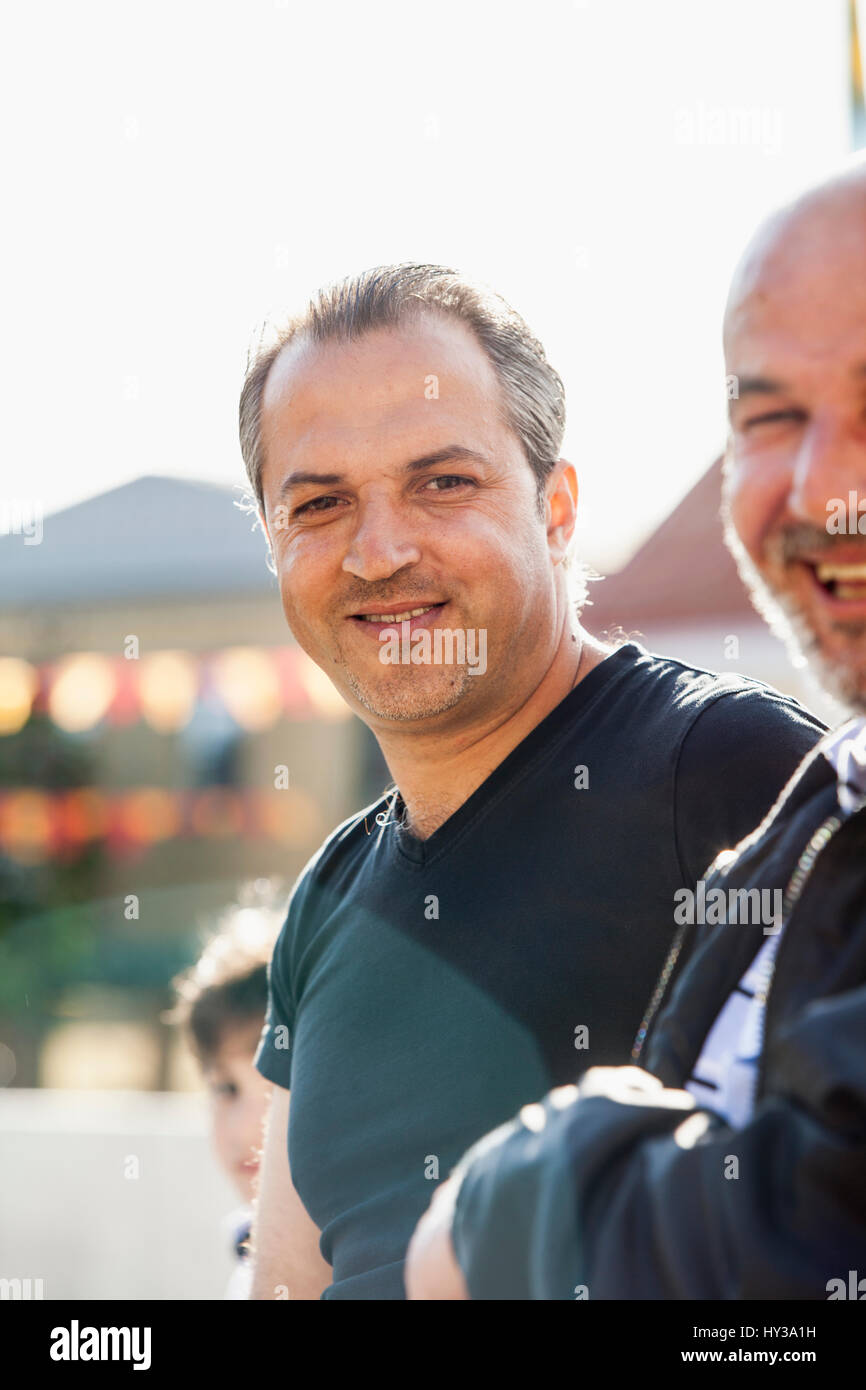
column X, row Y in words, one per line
column 807, row 248
column 803, row 278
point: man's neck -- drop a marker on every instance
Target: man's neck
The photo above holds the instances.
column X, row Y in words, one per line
column 437, row 774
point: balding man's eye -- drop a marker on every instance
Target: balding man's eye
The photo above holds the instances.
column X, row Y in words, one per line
column 775, row 417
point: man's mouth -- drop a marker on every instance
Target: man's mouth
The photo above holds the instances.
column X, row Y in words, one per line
column 417, row 615
column 845, row 583
column 396, row 617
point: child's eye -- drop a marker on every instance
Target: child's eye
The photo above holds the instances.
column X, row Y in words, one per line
column 227, row 1089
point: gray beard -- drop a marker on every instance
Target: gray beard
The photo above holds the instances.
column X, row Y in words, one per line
column 787, row 622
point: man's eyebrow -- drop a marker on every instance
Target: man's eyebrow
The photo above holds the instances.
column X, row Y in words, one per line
column 450, row 453
column 758, row 386
column 301, row 476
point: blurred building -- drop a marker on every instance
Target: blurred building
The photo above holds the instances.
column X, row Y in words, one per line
column 162, row 738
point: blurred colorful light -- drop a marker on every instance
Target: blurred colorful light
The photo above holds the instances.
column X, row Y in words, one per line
column 150, row 814
column 19, row 682
column 248, row 683
column 167, row 688
column 26, row 825
column 81, row 692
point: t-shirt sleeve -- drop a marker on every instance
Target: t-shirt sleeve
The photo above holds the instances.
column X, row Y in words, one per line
column 274, row 1054
column 737, row 757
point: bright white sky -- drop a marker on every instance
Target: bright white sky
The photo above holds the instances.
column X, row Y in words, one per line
column 176, row 171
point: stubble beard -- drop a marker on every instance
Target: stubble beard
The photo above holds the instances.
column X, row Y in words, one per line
column 403, row 695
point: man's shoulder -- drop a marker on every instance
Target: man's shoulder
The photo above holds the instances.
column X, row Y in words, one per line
column 803, row 804
column 690, row 691
column 326, row 874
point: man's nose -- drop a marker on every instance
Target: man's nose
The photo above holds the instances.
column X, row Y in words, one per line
column 381, row 543
column 831, row 463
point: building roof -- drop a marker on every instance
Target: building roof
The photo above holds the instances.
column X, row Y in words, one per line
column 682, row 573
column 152, row 538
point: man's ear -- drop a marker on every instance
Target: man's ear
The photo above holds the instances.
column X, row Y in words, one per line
column 562, row 493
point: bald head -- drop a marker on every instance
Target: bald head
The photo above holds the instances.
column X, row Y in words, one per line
column 795, row 351
column 812, row 249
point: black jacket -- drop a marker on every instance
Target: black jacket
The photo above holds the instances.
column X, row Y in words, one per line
column 622, row 1190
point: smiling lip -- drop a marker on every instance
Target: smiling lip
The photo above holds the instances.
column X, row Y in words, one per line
column 391, row 618
column 840, row 583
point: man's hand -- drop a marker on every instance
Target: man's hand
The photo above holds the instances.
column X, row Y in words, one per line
column 432, row 1271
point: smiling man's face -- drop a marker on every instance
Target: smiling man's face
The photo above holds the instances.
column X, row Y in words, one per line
column 795, row 338
column 392, row 487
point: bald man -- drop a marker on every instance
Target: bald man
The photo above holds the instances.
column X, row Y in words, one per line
column 732, row 1163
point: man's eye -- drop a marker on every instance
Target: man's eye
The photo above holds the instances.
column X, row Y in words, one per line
column 773, row 417
column 447, row 482
column 316, row 504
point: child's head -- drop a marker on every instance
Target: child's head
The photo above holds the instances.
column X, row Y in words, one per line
column 221, row 1005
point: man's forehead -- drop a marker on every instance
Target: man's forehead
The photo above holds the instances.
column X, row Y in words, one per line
column 771, row 330
column 802, row 279
column 406, row 387
column 411, row 360
column 808, row 321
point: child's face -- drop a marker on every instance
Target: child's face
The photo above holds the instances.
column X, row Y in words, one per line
column 239, row 1097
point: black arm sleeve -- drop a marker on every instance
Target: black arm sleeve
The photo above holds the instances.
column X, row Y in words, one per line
column 642, row 1201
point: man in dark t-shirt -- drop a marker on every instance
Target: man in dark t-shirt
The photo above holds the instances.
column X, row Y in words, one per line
column 497, row 922
column 430, row 987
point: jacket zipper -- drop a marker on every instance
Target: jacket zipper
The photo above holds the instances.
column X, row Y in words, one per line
column 797, row 882
column 659, row 991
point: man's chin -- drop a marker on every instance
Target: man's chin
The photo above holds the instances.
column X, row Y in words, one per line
column 841, row 674
column 845, row 681
column 408, row 699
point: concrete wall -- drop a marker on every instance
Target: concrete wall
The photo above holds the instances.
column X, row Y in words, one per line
column 73, row 1215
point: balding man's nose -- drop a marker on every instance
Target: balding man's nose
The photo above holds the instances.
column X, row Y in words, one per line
column 831, row 463
column 381, row 543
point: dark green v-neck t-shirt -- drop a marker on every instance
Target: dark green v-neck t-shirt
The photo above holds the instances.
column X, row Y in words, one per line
column 422, row 991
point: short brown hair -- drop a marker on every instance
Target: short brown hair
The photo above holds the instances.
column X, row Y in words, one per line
column 389, row 295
